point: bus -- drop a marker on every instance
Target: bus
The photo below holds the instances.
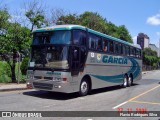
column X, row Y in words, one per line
column 73, row 58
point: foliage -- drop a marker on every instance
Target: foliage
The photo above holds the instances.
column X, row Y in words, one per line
column 35, row 14
column 97, row 22
column 13, row 38
column 24, row 65
column 150, row 57
column 5, row 72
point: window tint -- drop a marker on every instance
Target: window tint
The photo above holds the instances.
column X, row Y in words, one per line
column 124, row 49
column 95, row 42
column 79, row 37
column 127, row 51
column 138, row 53
column 105, row 45
column 60, row 37
column 132, row 51
column 120, row 49
column 111, row 47
column 116, row 48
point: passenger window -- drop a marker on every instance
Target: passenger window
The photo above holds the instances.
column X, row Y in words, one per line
column 95, row 42
column 105, row 45
column 111, row 47
column 132, row 51
column 116, row 48
column 127, row 51
column 124, row 49
column 120, row 49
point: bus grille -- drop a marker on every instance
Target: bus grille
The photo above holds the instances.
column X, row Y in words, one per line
column 43, row 86
column 40, row 77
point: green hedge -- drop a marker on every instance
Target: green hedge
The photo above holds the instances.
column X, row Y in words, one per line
column 5, row 72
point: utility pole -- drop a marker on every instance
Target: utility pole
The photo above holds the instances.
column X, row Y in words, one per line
column 18, row 57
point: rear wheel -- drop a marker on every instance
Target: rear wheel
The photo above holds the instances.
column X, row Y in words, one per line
column 130, row 81
column 84, row 88
column 125, row 79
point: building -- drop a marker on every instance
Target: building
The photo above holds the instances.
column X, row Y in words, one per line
column 154, row 48
column 159, row 49
column 143, row 40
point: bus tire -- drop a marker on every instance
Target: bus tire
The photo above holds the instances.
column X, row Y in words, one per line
column 84, row 87
column 130, row 81
column 125, row 81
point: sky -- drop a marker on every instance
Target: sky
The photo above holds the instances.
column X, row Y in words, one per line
column 137, row 15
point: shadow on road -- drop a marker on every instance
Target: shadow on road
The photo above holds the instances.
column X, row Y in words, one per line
column 107, row 89
column 66, row 96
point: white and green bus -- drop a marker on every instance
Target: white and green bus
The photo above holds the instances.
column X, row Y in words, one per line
column 73, row 58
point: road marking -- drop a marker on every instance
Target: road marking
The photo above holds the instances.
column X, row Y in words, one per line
column 130, row 100
column 120, row 105
column 143, row 93
column 145, row 102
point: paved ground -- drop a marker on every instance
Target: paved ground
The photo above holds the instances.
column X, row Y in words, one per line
column 143, row 95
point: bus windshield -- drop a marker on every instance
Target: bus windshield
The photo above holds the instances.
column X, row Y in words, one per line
column 54, row 37
column 50, row 57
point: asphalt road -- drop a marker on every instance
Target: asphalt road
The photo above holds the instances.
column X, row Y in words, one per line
column 143, row 95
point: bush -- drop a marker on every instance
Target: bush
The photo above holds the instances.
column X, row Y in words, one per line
column 24, row 66
column 5, row 72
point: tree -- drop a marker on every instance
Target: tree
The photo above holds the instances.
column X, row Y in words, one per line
column 16, row 38
column 150, row 57
column 123, row 34
column 35, row 14
column 97, row 22
column 93, row 21
column 68, row 19
column 56, row 15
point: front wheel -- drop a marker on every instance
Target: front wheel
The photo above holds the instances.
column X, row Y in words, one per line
column 84, row 88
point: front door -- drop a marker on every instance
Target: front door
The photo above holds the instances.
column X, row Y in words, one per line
column 78, row 59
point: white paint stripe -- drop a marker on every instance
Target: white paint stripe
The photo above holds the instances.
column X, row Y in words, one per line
column 119, row 105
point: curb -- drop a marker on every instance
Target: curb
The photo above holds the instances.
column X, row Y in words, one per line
column 12, row 89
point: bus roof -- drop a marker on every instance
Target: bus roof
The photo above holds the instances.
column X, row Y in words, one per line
column 70, row 27
column 60, row 27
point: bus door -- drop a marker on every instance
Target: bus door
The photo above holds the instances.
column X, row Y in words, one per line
column 77, row 59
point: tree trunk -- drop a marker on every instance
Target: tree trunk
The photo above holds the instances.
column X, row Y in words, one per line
column 13, row 73
column 13, row 67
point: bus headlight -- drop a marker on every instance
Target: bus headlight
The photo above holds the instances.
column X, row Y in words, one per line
column 29, row 85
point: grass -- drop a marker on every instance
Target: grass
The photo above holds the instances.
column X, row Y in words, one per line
column 5, row 73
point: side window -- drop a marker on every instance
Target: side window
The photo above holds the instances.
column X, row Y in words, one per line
column 127, row 51
column 79, row 37
column 116, row 48
column 95, row 42
column 120, row 49
column 105, row 45
column 138, row 53
column 124, row 49
column 99, row 41
column 132, row 51
column 111, row 47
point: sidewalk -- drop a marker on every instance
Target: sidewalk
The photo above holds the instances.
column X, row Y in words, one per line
column 12, row 87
